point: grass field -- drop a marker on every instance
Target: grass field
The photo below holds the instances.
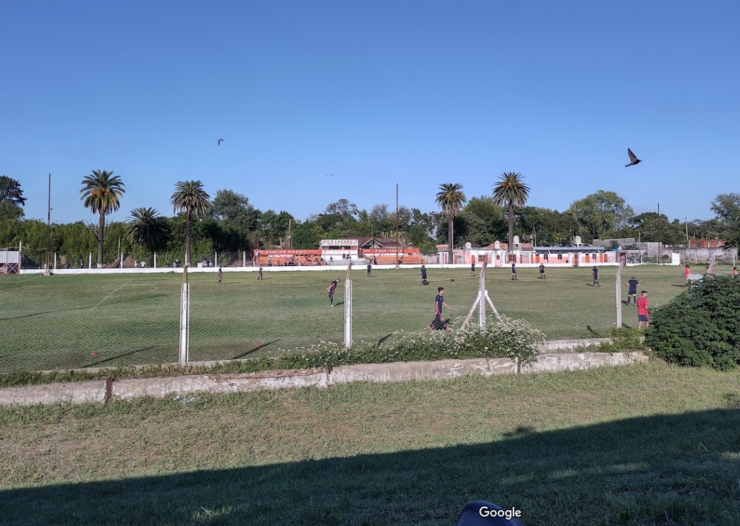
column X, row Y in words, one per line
column 643, row 445
column 58, row 322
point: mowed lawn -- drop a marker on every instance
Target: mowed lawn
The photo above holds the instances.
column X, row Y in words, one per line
column 642, row 445
column 62, row 322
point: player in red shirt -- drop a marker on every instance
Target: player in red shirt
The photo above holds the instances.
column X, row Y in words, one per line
column 643, row 315
column 686, row 272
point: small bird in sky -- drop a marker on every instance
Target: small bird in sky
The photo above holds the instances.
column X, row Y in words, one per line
column 329, row 175
column 633, row 158
column 219, row 142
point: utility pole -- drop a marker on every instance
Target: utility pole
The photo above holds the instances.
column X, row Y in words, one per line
column 686, row 223
column 48, row 234
column 396, row 225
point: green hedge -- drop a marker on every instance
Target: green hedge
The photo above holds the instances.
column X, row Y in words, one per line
column 701, row 326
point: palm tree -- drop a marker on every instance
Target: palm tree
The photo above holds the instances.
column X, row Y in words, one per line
column 189, row 197
column 146, row 228
column 450, row 199
column 102, row 192
column 511, row 191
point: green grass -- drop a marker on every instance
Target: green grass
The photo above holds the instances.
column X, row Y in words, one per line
column 58, row 322
column 643, row 445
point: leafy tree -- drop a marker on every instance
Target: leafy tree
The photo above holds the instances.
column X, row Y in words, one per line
column 233, row 207
column 485, row 220
column 602, row 214
column 654, row 227
column 102, row 192
column 307, row 235
column 511, row 191
column 342, row 207
column 450, row 199
column 727, row 209
column 190, row 197
column 146, row 228
column 11, row 199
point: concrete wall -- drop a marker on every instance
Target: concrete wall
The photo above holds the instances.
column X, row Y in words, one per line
column 129, row 389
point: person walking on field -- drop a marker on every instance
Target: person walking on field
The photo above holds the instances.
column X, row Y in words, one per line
column 734, row 271
column 513, row 271
column 439, row 323
column 220, row 276
column 424, row 275
column 542, row 271
column 643, row 315
column 369, row 269
column 595, row 273
column 632, row 291
column 331, row 289
column 686, row 272
column 260, row 274
column 472, row 267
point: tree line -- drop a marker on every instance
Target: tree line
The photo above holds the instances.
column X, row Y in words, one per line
column 228, row 222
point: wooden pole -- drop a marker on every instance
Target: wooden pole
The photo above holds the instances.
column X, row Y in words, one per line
column 48, row 233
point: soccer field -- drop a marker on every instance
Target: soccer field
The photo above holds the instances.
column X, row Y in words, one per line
column 62, row 322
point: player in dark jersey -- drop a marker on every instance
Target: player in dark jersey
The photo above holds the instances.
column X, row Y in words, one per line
column 220, row 276
column 542, row 271
column 513, row 271
column 632, row 292
column 369, row 269
column 260, row 276
column 439, row 323
column 331, row 290
column 595, row 274
column 424, row 275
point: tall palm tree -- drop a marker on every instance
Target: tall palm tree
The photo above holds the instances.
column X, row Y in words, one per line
column 146, row 228
column 450, row 199
column 189, row 197
column 511, row 191
column 102, row 192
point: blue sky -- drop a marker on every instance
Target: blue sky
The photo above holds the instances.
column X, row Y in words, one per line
column 411, row 92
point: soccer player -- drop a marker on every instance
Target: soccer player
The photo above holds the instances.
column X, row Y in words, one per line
column 220, row 276
column 643, row 315
column 424, row 275
column 686, row 272
column 513, row 271
column 369, row 269
column 260, row 274
column 472, row 267
column 632, row 292
column 734, row 271
column 439, row 323
column 542, row 271
column 331, row 289
column 595, row 273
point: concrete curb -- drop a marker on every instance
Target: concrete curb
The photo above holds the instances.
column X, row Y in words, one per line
column 160, row 387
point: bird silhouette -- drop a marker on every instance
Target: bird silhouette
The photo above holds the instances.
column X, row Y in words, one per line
column 219, row 142
column 329, row 175
column 633, row 158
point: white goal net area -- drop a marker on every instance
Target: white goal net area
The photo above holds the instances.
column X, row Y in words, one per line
column 10, row 261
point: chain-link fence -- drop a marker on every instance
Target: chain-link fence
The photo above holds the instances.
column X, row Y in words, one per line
column 133, row 317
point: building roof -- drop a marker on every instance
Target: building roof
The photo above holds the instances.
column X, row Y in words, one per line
column 377, row 242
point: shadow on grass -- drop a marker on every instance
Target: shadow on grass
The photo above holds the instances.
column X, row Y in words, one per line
column 255, row 349
column 660, row 470
column 118, row 356
column 111, row 302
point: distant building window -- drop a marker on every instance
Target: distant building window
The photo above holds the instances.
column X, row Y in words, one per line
column 593, row 256
column 560, row 256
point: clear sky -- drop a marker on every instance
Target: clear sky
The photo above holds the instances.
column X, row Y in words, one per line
column 376, row 92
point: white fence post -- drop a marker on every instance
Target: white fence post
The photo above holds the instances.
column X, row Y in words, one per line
column 244, row 258
column 155, row 260
column 184, row 318
column 55, row 261
column 348, row 307
column 89, row 261
column 215, row 259
column 481, row 295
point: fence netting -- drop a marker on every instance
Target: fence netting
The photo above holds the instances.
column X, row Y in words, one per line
column 129, row 318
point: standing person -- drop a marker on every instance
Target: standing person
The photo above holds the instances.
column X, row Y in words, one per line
column 734, row 271
column 542, row 271
column 220, row 276
column 595, row 274
column 513, row 271
column 260, row 274
column 632, row 292
column 331, row 289
column 472, row 266
column 439, row 323
column 369, row 269
column 686, row 272
column 643, row 315
column 424, row 275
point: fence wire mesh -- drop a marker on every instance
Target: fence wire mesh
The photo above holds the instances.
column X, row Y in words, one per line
column 95, row 320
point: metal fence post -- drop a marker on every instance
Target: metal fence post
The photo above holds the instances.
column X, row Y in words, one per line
column 184, row 318
column 482, row 296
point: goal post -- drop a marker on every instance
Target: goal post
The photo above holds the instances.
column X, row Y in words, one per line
column 480, row 302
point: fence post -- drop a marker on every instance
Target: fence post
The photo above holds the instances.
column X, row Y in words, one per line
column 155, row 260
column 55, row 261
column 184, row 318
column 348, row 307
column 482, row 296
column 215, row 259
column 244, row 258
column 622, row 260
column 89, row 261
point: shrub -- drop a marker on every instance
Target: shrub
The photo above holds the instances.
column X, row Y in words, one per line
column 701, row 326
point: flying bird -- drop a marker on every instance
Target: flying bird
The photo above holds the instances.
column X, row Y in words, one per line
column 219, row 142
column 329, row 175
column 633, row 158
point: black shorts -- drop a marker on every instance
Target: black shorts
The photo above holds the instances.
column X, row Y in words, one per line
column 643, row 317
column 438, row 324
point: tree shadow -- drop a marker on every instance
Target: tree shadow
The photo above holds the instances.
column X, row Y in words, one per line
column 86, row 307
column 665, row 470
